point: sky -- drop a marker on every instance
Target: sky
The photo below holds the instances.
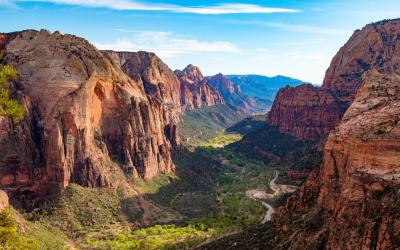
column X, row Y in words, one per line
column 288, row 37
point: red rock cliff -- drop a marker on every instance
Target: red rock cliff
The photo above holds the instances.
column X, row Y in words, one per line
column 87, row 121
column 306, row 112
column 195, row 91
column 353, row 201
column 231, row 93
column 311, row 114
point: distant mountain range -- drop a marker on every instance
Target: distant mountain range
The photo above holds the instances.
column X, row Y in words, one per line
column 254, row 93
column 262, row 88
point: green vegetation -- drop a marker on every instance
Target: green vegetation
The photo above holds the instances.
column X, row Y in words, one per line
column 82, row 211
column 9, row 107
column 10, row 238
column 153, row 186
column 248, row 125
column 266, row 144
column 212, row 179
column 206, row 195
column 220, row 140
column 256, row 237
column 203, row 124
column 157, row 237
column 209, row 190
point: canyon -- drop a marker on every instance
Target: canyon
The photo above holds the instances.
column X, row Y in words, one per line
column 308, row 112
column 95, row 118
column 108, row 125
column 351, row 201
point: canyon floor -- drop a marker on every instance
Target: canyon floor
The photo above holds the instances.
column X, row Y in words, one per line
column 217, row 190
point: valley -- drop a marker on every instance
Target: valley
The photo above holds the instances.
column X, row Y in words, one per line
column 207, row 198
column 103, row 149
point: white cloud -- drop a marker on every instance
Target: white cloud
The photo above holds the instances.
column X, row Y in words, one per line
column 205, row 10
column 295, row 27
column 305, row 28
column 165, row 44
column 7, row 3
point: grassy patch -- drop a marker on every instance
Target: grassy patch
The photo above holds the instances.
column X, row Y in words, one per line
column 153, row 186
column 156, row 237
column 81, row 211
column 220, row 140
column 203, row 124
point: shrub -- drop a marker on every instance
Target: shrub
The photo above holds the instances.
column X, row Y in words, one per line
column 9, row 107
column 9, row 237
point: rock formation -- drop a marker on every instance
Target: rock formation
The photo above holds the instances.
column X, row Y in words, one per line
column 86, row 120
column 313, row 114
column 195, row 91
column 231, row 93
column 305, row 112
column 3, row 200
column 160, row 83
column 352, row 203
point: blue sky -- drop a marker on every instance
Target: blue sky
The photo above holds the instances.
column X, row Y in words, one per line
column 288, row 37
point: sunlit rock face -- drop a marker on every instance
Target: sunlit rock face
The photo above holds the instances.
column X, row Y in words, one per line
column 195, row 91
column 310, row 113
column 87, row 121
column 353, row 201
column 232, row 94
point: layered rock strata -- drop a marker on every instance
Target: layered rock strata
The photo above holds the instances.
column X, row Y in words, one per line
column 195, row 91
column 310, row 113
column 86, row 120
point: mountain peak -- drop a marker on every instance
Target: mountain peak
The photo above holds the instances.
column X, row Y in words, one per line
column 191, row 74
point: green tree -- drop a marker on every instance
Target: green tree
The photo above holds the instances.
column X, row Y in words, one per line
column 9, row 107
column 9, row 237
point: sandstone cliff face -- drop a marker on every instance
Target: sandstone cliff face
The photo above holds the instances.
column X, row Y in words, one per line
column 160, row 83
column 375, row 46
column 352, row 203
column 231, row 93
column 87, row 121
column 195, row 91
column 305, row 112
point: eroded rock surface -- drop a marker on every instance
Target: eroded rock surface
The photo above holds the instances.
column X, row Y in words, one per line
column 352, row 202
column 231, row 93
column 86, row 120
column 195, row 91
column 311, row 113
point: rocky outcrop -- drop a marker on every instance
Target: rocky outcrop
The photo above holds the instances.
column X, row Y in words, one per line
column 86, row 120
column 305, row 112
column 375, row 46
column 231, row 93
column 352, row 202
column 159, row 82
column 195, row 91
